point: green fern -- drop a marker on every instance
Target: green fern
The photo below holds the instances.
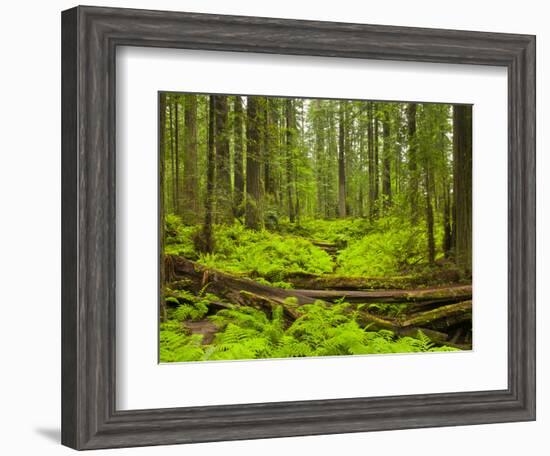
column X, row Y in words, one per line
column 248, row 333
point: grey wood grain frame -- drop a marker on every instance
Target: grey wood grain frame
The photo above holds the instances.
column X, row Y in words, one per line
column 90, row 36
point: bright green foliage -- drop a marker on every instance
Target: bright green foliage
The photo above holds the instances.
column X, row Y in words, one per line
column 264, row 254
column 389, row 246
column 189, row 306
column 337, row 231
column 322, row 330
column 178, row 237
column 341, row 188
column 175, row 345
column 194, row 311
column 392, row 247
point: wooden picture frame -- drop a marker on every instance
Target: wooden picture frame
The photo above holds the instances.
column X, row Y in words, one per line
column 90, row 36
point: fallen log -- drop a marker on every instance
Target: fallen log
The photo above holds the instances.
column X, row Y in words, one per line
column 376, row 323
column 224, row 284
column 441, row 294
column 316, row 282
column 241, row 291
column 335, row 282
column 268, row 305
column 201, row 278
column 442, row 317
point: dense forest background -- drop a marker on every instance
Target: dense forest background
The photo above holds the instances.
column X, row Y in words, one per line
column 286, row 211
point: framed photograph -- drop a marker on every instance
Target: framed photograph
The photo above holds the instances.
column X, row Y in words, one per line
column 280, row 228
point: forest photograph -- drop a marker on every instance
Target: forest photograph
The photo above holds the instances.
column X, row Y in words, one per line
column 303, row 227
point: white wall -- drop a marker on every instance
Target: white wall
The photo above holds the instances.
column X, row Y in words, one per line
column 30, row 228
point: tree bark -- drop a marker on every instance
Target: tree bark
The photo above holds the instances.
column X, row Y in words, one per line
column 429, row 216
column 290, row 127
column 253, row 211
column 208, row 240
column 270, row 147
column 172, row 154
column 376, row 166
column 342, row 161
column 447, row 230
column 190, row 201
column 412, row 162
column 238, row 169
column 177, row 153
column 161, row 164
column 462, row 191
column 224, row 208
column 386, row 170
column 370, row 160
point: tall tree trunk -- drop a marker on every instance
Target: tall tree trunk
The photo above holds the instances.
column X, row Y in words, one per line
column 172, row 154
column 297, row 153
column 429, row 216
column 253, row 211
column 270, row 147
column 447, row 233
column 319, row 155
column 290, row 127
column 224, row 200
column 462, row 180
column 376, row 166
column 162, row 175
column 386, row 170
column 208, row 240
column 331, row 164
column 370, row 160
column 362, row 168
column 342, row 161
column 412, row 162
column 238, row 171
column 190, row 201
column 177, row 152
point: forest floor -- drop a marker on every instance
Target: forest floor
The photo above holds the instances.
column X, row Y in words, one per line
column 321, row 288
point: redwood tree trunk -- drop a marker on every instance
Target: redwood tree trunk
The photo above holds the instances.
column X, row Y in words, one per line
column 161, row 158
column 342, row 162
column 253, row 212
column 386, row 170
column 429, row 216
column 238, row 171
column 190, row 201
column 462, row 194
column 370, row 160
column 224, row 200
column 208, row 242
column 289, row 108
column 177, row 153
column 412, row 159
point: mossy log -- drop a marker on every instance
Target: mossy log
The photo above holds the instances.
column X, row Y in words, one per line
column 377, row 323
column 268, row 305
column 336, row 282
column 232, row 288
column 433, row 323
column 440, row 294
column 329, row 282
column 443, row 317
